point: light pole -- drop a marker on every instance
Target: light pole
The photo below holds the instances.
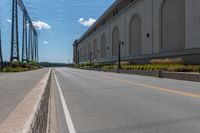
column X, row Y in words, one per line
column 119, row 55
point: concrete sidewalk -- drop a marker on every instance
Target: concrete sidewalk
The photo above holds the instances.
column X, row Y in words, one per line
column 14, row 87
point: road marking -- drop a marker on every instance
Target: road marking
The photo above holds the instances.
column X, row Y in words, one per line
column 65, row 108
column 155, row 87
column 183, row 93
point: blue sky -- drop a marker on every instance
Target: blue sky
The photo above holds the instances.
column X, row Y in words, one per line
column 68, row 20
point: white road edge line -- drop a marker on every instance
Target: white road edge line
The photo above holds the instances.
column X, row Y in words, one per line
column 65, row 108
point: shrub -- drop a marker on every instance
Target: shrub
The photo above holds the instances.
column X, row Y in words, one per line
column 8, row 69
column 97, row 65
column 88, row 64
column 33, row 63
column 167, row 61
column 123, row 63
column 12, row 69
column 162, row 67
column 14, row 64
column 23, row 64
column 20, row 69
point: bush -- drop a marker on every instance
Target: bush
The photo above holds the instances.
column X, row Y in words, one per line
column 109, row 67
column 167, row 61
column 8, row 69
column 123, row 63
column 89, row 64
column 14, row 64
column 34, row 64
column 17, row 69
column 173, row 65
column 97, row 65
column 23, row 64
column 21, row 67
column 158, row 67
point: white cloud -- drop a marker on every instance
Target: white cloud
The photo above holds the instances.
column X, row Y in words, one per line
column 45, row 42
column 86, row 22
column 8, row 20
column 41, row 25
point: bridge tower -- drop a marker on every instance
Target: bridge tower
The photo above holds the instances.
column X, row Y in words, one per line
column 14, row 33
column 24, row 39
column 30, row 43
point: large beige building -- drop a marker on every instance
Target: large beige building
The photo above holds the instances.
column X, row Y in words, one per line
column 148, row 28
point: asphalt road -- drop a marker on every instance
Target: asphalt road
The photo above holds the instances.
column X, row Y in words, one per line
column 101, row 102
column 14, row 87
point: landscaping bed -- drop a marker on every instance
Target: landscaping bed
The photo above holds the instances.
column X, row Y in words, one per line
column 162, row 68
column 157, row 67
column 20, row 67
column 170, row 65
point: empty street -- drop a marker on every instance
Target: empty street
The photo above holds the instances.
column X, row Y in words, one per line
column 99, row 102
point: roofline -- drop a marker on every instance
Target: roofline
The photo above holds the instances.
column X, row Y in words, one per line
column 100, row 18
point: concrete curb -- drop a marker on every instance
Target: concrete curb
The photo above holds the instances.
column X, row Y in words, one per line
column 52, row 120
column 160, row 74
column 30, row 116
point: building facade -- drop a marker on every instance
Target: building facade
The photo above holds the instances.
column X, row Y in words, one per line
column 149, row 29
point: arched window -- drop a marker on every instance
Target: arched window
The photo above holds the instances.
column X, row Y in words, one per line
column 78, row 56
column 84, row 53
column 103, row 46
column 135, row 35
column 89, row 50
column 115, row 41
column 95, row 49
column 81, row 54
column 172, row 25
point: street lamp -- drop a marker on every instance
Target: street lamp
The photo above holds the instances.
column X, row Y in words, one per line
column 119, row 55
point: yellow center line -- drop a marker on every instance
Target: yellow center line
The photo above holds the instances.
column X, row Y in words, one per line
column 178, row 92
column 155, row 87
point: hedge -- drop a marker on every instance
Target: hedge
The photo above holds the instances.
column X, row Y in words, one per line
column 157, row 67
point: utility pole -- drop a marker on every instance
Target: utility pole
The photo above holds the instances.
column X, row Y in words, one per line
column 14, row 33
column 1, row 57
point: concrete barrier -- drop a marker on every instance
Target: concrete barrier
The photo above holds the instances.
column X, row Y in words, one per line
column 30, row 116
column 143, row 73
column 195, row 77
column 181, row 76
